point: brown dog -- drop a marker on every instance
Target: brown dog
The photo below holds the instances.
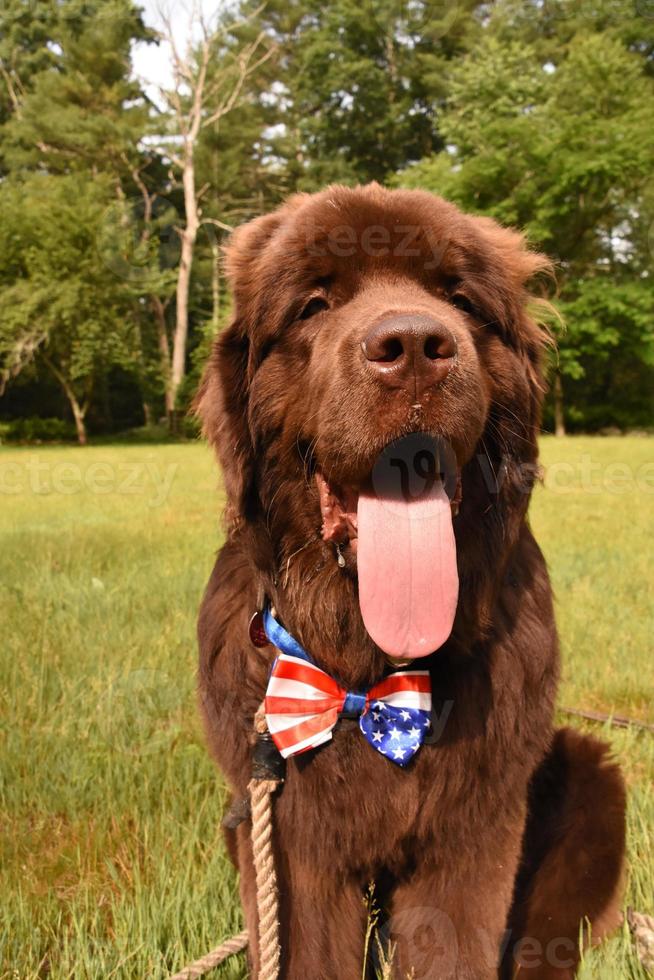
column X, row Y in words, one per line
column 362, row 316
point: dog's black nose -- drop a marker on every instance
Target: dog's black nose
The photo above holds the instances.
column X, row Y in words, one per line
column 410, row 351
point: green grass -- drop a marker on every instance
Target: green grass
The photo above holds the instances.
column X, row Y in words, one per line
column 111, row 859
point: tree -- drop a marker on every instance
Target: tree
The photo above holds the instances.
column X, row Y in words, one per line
column 609, row 363
column 81, row 110
column 138, row 242
column 25, row 29
column 70, row 145
column 208, row 81
column 566, row 152
column 550, row 25
column 358, row 85
column 537, row 112
column 60, row 301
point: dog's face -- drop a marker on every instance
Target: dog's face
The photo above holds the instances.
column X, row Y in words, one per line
column 362, row 316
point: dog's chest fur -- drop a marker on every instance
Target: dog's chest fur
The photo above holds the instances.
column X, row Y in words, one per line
column 491, row 726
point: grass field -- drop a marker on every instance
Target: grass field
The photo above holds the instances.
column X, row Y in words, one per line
column 111, row 861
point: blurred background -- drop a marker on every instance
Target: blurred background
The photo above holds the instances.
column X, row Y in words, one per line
column 133, row 138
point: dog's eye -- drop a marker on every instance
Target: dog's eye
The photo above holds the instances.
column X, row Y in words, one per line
column 315, row 305
column 461, row 301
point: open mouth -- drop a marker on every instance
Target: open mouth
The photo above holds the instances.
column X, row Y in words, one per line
column 396, row 528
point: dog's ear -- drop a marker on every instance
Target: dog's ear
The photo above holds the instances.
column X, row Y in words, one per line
column 499, row 480
column 515, row 278
column 517, row 271
column 222, row 399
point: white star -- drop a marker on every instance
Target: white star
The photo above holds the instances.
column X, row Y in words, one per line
column 394, row 733
column 415, row 747
column 405, row 715
column 427, row 722
column 379, row 704
column 414, row 732
column 398, row 754
column 377, row 736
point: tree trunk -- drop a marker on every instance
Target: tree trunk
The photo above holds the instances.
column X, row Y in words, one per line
column 164, row 353
column 188, row 236
column 78, row 410
column 78, row 415
column 559, row 415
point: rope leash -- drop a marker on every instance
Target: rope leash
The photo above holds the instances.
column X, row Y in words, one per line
column 267, row 775
column 217, row 956
column 617, row 721
column 267, row 896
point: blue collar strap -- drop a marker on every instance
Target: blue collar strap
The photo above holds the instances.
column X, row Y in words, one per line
column 281, row 639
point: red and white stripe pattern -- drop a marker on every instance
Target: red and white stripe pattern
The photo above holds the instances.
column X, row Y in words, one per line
column 303, row 704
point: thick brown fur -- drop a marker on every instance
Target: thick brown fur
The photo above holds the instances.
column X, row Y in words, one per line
column 501, row 832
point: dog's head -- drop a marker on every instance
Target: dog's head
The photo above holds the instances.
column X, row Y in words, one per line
column 361, row 317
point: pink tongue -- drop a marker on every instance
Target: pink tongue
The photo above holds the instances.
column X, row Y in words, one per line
column 408, row 581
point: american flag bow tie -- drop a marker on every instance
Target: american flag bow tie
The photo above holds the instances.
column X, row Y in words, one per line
column 303, row 703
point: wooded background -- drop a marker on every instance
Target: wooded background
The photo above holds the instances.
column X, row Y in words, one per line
column 114, row 200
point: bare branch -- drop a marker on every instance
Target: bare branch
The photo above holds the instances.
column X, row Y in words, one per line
column 218, row 224
column 175, row 159
column 11, row 89
column 181, row 66
column 49, row 148
column 148, row 197
column 246, row 67
column 202, row 93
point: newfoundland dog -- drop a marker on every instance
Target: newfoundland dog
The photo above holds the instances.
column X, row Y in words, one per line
column 375, row 406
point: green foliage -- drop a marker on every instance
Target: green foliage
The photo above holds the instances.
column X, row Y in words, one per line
column 60, row 299
column 566, row 151
column 362, row 83
column 37, row 430
column 69, row 256
column 25, row 28
column 606, row 353
column 611, row 318
column 81, row 111
column 537, row 112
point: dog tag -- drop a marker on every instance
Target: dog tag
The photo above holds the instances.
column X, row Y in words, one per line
column 256, row 631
